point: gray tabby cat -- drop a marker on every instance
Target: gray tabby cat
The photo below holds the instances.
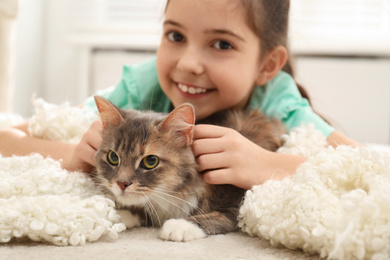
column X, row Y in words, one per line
column 147, row 165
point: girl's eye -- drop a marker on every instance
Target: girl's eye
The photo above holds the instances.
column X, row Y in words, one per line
column 112, row 158
column 149, row 162
column 175, row 37
column 222, row 45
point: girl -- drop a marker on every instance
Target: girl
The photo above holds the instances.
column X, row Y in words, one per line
column 215, row 54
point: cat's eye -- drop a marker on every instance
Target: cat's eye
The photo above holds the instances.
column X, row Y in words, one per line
column 112, row 158
column 150, row 162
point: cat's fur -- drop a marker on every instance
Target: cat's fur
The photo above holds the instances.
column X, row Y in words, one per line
column 172, row 195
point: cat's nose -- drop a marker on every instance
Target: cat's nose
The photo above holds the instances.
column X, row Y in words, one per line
column 123, row 185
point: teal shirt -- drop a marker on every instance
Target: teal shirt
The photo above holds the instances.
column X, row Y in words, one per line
column 280, row 98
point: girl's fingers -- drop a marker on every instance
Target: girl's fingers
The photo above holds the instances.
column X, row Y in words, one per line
column 207, row 146
column 208, row 131
column 95, row 138
column 90, row 155
column 97, row 125
column 89, row 144
column 95, row 142
column 212, row 161
column 209, row 139
column 85, row 153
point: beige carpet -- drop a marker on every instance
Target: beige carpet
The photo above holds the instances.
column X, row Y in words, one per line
column 142, row 243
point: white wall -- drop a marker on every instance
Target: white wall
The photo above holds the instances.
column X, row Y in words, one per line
column 60, row 77
column 28, row 54
column 47, row 57
column 352, row 93
column 46, row 62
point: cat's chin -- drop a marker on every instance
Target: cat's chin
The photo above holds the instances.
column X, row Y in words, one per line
column 127, row 200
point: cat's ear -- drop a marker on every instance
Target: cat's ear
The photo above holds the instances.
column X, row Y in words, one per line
column 181, row 120
column 109, row 114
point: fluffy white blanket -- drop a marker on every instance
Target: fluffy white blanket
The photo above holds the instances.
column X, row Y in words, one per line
column 337, row 205
column 40, row 200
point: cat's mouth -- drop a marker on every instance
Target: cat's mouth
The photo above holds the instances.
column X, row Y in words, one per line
column 128, row 198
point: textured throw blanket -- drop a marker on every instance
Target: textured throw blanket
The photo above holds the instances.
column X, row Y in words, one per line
column 40, row 200
column 337, row 205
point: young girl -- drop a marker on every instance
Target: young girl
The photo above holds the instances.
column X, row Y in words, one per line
column 215, row 54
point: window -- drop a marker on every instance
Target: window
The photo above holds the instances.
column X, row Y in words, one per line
column 118, row 16
column 350, row 27
column 345, row 26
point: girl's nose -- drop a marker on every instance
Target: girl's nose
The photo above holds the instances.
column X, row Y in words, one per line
column 191, row 62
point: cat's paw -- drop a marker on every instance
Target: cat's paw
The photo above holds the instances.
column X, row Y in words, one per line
column 180, row 230
column 129, row 219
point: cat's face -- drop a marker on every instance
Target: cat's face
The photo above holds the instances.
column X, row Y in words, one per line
column 144, row 154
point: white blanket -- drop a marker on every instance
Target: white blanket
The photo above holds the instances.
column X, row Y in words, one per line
column 337, row 205
column 40, row 200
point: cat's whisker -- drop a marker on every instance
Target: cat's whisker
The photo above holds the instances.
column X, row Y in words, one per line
column 194, row 206
column 151, row 206
column 185, row 211
column 148, row 209
column 164, row 208
column 188, row 214
column 147, row 212
column 178, row 192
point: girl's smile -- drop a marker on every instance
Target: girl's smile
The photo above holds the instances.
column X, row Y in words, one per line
column 192, row 91
column 212, row 62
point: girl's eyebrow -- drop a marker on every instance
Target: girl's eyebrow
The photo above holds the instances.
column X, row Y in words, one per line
column 170, row 22
column 225, row 31
column 211, row 31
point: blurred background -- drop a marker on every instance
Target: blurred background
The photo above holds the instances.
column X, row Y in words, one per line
column 65, row 50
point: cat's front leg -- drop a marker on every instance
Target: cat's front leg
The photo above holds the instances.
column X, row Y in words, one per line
column 129, row 219
column 181, row 230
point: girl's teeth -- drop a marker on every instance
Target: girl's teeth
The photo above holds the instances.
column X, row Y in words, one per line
column 191, row 90
column 184, row 88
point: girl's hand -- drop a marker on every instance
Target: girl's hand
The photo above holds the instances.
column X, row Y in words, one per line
column 83, row 156
column 226, row 157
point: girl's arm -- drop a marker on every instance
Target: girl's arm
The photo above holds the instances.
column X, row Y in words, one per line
column 336, row 138
column 16, row 141
column 226, row 157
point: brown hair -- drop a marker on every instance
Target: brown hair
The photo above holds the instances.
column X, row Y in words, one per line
column 269, row 20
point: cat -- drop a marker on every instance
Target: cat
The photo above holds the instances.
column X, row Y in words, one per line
column 146, row 164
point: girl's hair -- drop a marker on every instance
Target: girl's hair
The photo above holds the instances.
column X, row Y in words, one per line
column 269, row 20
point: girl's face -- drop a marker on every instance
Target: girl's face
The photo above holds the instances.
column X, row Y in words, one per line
column 208, row 55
